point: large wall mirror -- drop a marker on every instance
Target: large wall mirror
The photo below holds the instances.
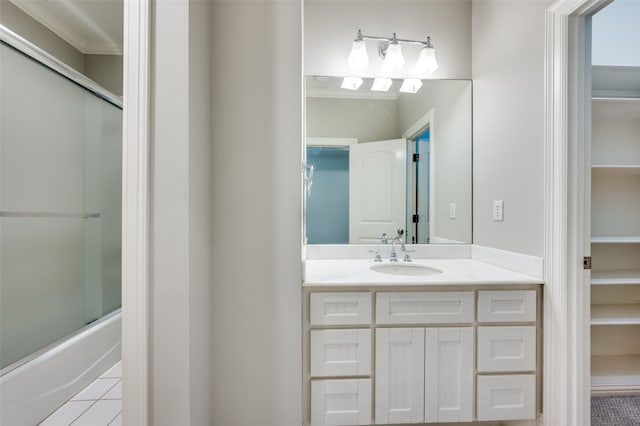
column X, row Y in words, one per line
column 383, row 162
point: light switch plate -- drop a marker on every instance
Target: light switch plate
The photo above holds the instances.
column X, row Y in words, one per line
column 498, row 207
column 452, row 210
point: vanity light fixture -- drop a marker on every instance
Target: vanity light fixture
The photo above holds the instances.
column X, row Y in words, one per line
column 390, row 51
column 351, row 83
column 381, row 84
column 358, row 58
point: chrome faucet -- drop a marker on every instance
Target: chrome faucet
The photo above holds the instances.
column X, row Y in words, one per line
column 394, row 253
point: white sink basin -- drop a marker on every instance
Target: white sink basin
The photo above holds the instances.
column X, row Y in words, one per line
column 407, row 269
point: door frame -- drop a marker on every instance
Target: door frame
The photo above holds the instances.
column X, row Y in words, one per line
column 419, row 126
column 566, row 378
column 135, row 212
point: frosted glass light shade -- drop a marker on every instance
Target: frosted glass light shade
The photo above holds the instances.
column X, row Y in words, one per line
column 393, row 60
column 427, row 63
column 381, row 84
column 411, row 85
column 351, row 83
column 358, row 59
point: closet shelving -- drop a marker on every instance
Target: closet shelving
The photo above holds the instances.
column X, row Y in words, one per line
column 615, row 230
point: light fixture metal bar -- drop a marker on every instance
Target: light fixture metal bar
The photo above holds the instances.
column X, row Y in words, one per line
column 388, row 39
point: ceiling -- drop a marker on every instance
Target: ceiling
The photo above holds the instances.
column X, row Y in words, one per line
column 91, row 26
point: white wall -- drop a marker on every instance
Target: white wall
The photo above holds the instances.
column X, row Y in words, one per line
column 106, row 70
column 508, row 109
column 330, row 26
column 256, row 196
column 365, row 119
column 24, row 25
column 180, row 299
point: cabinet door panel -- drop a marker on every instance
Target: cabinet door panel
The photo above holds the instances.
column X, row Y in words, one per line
column 449, row 374
column 435, row 307
column 507, row 348
column 507, row 397
column 506, row 305
column 399, row 375
column 340, row 353
column 340, row 308
column 340, row 402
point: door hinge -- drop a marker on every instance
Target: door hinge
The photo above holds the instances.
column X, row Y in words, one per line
column 415, row 218
column 416, row 158
column 586, row 263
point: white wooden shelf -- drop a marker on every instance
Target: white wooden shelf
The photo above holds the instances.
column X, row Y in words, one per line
column 616, row 314
column 616, row 240
column 618, row 81
column 615, row 277
column 615, row 373
column 616, row 169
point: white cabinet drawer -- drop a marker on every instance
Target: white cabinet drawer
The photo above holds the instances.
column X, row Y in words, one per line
column 341, row 402
column 507, row 397
column 340, row 308
column 425, row 307
column 507, row 348
column 507, row 306
column 340, row 353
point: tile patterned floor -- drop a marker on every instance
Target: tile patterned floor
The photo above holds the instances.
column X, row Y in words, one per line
column 99, row 404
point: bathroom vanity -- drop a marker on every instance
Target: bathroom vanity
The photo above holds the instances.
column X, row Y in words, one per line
column 427, row 341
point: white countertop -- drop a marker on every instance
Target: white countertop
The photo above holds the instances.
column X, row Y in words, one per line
column 354, row 272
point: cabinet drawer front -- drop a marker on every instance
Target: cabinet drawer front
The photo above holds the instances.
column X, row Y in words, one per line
column 340, row 308
column 507, row 397
column 507, row 348
column 507, row 306
column 340, row 353
column 425, row 307
column 341, row 402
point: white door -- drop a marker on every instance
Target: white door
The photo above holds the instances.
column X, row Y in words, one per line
column 449, row 374
column 399, row 375
column 377, row 190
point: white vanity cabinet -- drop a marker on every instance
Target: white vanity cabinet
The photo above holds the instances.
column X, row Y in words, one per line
column 340, row 358
column 383, row 356
column 424, row 374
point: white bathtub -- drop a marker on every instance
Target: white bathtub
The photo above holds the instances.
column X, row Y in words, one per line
column 31, row 391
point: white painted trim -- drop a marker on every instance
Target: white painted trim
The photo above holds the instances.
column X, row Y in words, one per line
column 318, row 141
column 416, row 128
column 566, row 318
column 135, row 216
column 517, row 262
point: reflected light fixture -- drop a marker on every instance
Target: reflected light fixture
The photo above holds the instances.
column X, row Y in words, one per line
column 411, row 85
column 381, row 84
column 351, row 83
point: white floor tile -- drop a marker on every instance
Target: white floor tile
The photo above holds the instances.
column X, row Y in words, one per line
column 67, row 413
column 100, row 414
column 114, row 372
column 117, row 421
column 95, row 390
column 115, row 392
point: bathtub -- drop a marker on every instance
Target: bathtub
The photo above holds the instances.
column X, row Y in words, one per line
column 32, row 389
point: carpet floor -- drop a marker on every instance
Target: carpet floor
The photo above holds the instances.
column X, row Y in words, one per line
column 615, row 410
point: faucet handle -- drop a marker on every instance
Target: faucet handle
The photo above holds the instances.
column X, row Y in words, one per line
column 377, row 258
column 407, row 257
